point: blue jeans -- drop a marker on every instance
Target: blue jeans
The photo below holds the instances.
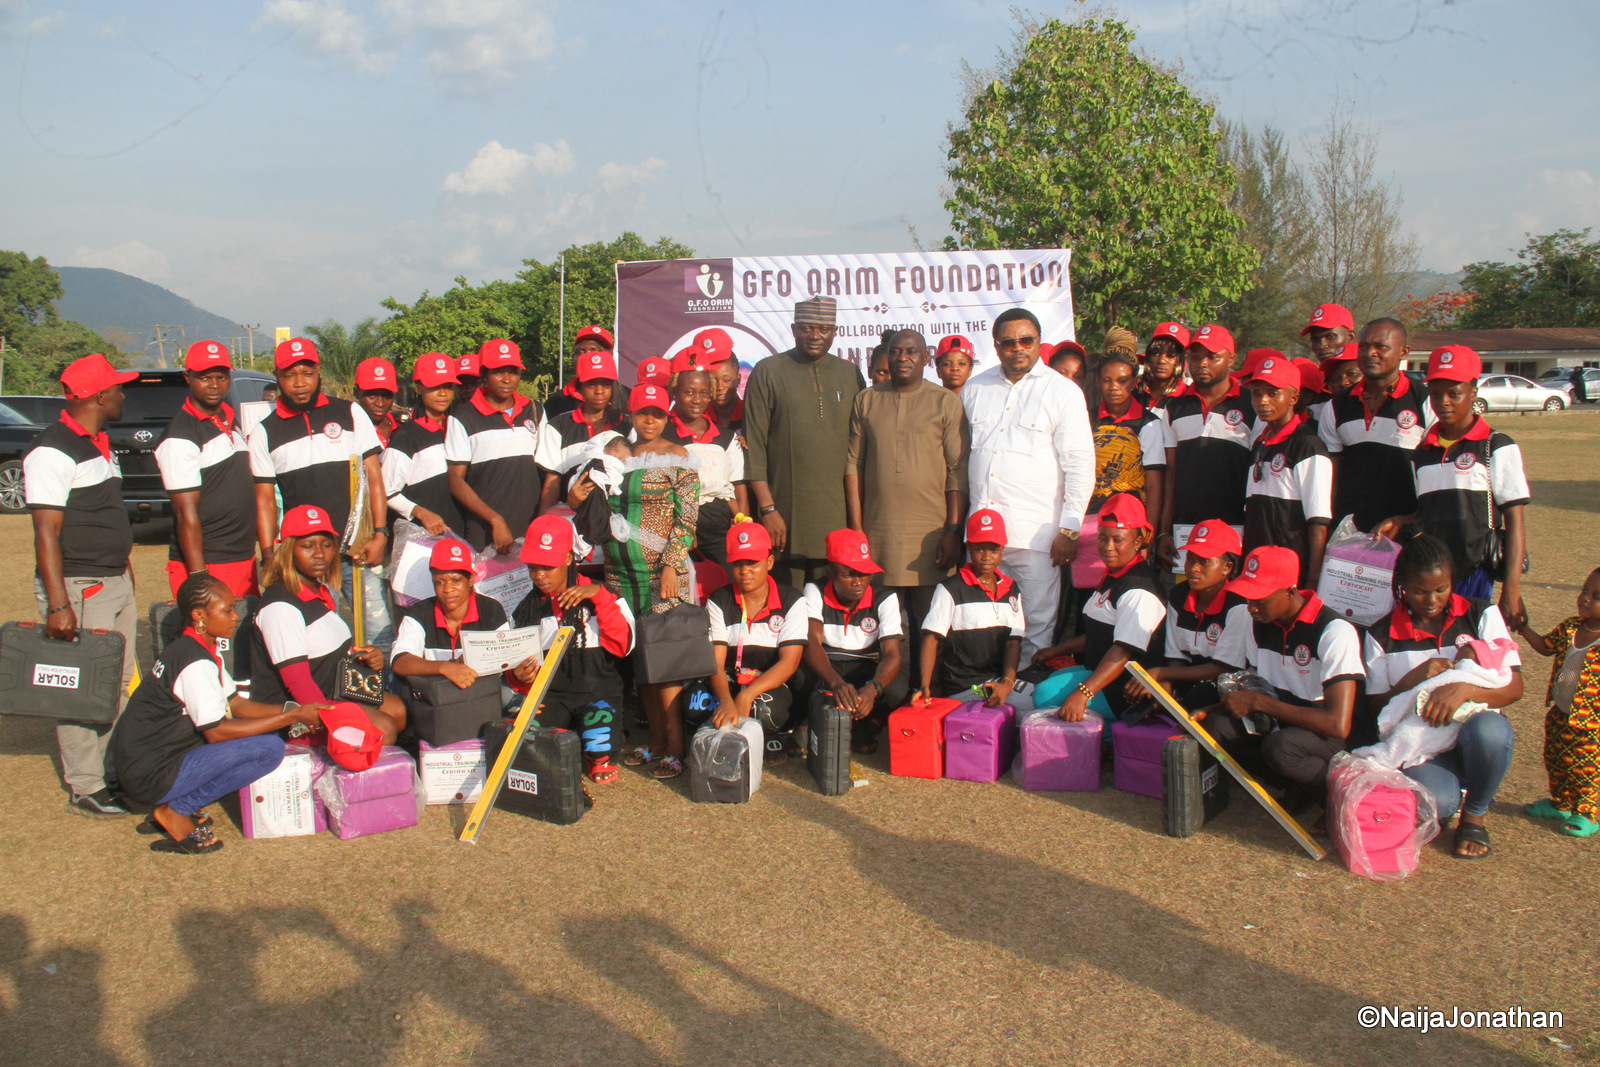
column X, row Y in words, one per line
column 1477, row 764
column 212, row 771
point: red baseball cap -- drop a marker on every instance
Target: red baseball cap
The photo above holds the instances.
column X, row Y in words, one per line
column 1328, row 317
column 353, row 742
column 654, row 371
column 1346, row 351
column 1311, row 380
column 648, row 396
column 305, row 520
column 1266, row 570
column 1213, row 338
column 470, row 367
column 1453, row 363
column 294, row 350
column 1175, row 330
column 435, row 369
column 1067, row 346
column 954, row 343
column 87, row 376
column 986, row 527
column 595, row 365
column 206, row 355
column 377, row 373
column 690, row 357
column 497, row 353
column 849, row 548
column 1212, row 538
column 1124, row 511
column 714, row 344
column 1274, row 369
column 748, row 541
column 451, row 555
column 595, row 333
column 548, row 541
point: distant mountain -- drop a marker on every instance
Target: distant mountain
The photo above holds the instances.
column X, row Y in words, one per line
column 1424, row 283
column 126, row 311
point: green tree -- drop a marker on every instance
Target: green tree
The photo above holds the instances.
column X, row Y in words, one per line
column 591, row 289
column 1081, row 142
column 458, row 320
column 28, row 288
column 1555, row 282
column 340, row 349
column 1272, row 200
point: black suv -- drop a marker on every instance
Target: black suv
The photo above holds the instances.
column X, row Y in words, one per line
column 151, row 401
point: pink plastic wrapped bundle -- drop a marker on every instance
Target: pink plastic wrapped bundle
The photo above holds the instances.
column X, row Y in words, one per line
column 1379, row 819
column 386, row 796
column 503, row 577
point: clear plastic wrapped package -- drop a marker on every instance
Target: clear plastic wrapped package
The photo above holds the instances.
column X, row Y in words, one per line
column 502, row 576
column 386, row 796
column 1378, row 818
column 1357, row 578
column 725, row 762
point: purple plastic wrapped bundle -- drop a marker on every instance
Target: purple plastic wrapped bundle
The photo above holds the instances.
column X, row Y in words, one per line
column 1358, row 574
column 1059, row 755
column 979, row 742
column 1136, row 754
column 386, row 796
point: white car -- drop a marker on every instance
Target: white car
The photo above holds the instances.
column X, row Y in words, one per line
column 1512, row 392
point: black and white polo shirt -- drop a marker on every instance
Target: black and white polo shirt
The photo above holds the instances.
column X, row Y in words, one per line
column 507, row 454
column 185, row 694
column 755, row 643
column 604, row 633
column 70, row 470
column 1212, row 456
column 307, row 453
column 974, row 627
column 1454, row 485
column 199, row 453
column 415, row 473
column 1316, row 649
column 1394, row 646
column 1219, row 633
column 422, row 631
column 296, row 628
column 853, row 632
column 1375, row 479
column 1290, row 487
column 718, row 452
column 1128, row 610
column 574, row 432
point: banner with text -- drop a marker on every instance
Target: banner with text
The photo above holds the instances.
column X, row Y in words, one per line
column 661, row 304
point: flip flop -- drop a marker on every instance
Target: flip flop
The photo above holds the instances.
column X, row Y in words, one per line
column 200, row 843
column 667, row 767
column 1580, row 826
column 638, row 757
column 1474, row 833
column 151, row 828
column 1545, row 809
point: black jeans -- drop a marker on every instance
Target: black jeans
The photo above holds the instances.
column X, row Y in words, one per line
column 1302, row 757
column 914, row 603
column 858, row 672
column 774, row 709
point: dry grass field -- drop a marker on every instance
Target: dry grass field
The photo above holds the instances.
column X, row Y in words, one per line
column 910, row 922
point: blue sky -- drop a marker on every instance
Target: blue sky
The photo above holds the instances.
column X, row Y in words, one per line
column 285, row 161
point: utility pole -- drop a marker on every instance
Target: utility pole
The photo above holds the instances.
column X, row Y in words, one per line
column 251, row 330
column 561, row 342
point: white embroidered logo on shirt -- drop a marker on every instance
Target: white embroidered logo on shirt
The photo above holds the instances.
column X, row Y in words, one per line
column 332, row 431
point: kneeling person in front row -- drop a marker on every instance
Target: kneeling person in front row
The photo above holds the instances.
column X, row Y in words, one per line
column 758, row 634
column 188, row 738
column 972, row 634
column 585, row 693
column 853, row 648
column 1312, row 658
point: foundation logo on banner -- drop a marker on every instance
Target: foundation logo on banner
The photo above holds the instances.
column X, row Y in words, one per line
column 707, row 286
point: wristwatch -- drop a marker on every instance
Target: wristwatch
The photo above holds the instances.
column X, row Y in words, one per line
column 1071, row 535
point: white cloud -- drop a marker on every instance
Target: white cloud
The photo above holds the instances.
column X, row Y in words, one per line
column 330, row 31
column 45, row 25
column 130, row 257
column 474, row 42
column 1483, row 224
column 496, row 168
column 615, row 177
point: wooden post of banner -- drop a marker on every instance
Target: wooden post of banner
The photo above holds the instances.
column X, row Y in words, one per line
column 1240, row 775
column 496, row 779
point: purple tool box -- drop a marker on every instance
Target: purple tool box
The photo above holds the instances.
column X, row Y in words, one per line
column 382, row 797
column 979, row 742
column 1060, row 755
column 1136, row 754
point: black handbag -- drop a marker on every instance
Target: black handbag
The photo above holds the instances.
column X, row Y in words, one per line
column 358, row 682
column 1494, row 547
column 674, row 645
column 441, row 713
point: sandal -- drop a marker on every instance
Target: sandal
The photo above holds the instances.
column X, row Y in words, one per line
column 1580, row 826
column 1477, row 835
column 638, row 757
column 1545, row 809
column 602, row 772
column 667, row 767
column 151, row 828
column 200, row 843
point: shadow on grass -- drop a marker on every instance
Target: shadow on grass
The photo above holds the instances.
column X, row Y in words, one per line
column 1567, row 496
column 1072, row 922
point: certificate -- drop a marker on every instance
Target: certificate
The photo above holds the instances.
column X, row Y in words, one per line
column 491, row 653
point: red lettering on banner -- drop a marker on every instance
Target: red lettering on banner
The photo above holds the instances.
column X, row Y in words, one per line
column 991, row 277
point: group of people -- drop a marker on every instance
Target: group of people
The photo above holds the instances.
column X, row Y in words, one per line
column 872, row 543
